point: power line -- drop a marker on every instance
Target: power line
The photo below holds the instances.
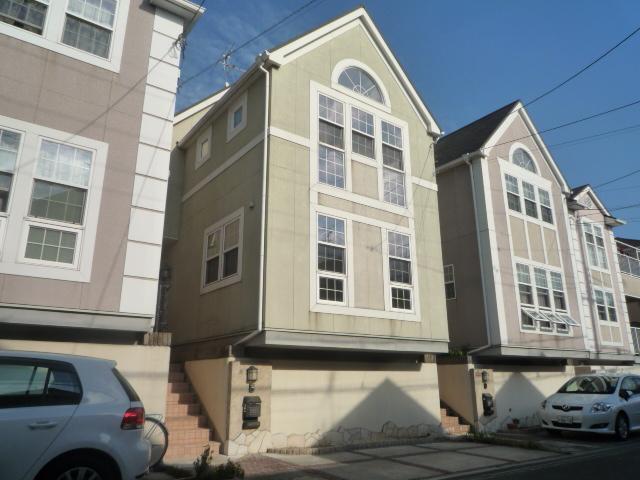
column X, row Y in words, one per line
column 590, row 137
column 567, row 124
column 621, row 177
column 582, row 70
column 251, row 40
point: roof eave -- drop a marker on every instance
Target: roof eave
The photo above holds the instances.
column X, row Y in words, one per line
column 188, row 11
column 466, row 158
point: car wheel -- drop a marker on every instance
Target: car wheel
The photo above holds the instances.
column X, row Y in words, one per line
column 553, row 433
column 79, row 467
column 622, row 427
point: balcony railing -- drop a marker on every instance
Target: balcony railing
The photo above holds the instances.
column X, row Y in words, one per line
column 635, row 335
column 629, row 259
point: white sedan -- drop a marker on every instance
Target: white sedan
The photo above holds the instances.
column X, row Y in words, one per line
column 65, row 417
column 596, row 403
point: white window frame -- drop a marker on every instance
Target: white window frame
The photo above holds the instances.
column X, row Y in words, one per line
column 232, row 130
column 350, row 62
column 51, row 37
column 342, row 150
column 16, row 220
column 452, row 281
column 372, row 136
column 412, row 273
column 231, row 279
column 326, row 274
column 606, row 305
column 204, row 137
column 590, row 225
column 551, row 314
column 393, row 169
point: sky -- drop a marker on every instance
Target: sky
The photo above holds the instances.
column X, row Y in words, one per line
column 468, row 58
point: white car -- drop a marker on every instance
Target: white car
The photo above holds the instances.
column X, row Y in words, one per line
column 66, row 417
column 597, row 403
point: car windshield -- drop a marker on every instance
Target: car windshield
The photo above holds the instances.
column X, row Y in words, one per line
column 596, row 384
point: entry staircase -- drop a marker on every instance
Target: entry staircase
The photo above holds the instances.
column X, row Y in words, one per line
column 189, row 433
column 452, row 424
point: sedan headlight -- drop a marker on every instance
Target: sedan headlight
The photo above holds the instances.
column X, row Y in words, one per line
column 544, row 404
column 601, row 407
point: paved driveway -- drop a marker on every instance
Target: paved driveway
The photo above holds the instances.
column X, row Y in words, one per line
column 402, row 462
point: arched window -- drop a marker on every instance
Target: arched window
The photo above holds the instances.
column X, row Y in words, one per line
column 521, row 158
column 359, row 81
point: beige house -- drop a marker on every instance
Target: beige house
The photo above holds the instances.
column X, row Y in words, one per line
column 534, row 292
column 306, row 243
column 86, row 108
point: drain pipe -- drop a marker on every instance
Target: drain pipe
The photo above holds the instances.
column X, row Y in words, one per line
column 468, row 160
column 263, row 210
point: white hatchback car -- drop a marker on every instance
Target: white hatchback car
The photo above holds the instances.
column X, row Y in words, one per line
column 68, row 417
column 597, row 403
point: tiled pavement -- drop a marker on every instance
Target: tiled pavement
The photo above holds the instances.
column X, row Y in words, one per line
column 402, row 462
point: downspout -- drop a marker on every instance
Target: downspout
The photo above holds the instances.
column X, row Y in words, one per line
column 489, row 344
column 263, row 210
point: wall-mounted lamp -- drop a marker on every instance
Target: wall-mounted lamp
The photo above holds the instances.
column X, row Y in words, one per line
column 485, row 378
column 252, row 377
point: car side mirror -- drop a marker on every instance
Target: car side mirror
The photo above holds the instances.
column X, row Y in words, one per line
column 624, row 394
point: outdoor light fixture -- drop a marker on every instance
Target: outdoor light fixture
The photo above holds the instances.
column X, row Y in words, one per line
column 485, row 378
column 252, row 377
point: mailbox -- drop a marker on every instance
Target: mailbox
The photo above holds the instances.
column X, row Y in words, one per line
column 487, row 404
column 251, row 407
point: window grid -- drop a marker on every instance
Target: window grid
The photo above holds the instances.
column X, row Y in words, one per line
column 530, row 205
column 9, row 146
column 513, row 192
column 361, row 82
column 595, row 245
column 222, row 252
column 521, row 158
column 362, row 134
column 50, row 245
column 331, row 259
column 331, row 110
column 29, row 15
column 545, row 206
column 605, row 306
column 399, row 250
column 449, row 282
column 331, row 165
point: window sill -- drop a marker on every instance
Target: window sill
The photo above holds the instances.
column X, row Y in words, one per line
column 225, row 282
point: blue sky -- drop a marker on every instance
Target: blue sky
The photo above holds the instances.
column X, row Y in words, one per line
column 468, row 58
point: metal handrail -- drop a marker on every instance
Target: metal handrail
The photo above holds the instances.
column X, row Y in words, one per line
column 629, row 264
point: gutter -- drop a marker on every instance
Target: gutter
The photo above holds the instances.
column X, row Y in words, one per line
column 263, row 212
column 468, row 159
column 460, row 161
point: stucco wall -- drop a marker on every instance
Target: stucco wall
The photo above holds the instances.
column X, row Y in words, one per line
column 311, row 396
column 456, row 389
column 210, row 380
column 145, row 367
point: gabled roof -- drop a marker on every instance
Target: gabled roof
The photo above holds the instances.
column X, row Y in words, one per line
column 575, row 203
column 472, row 137
column 287, row 52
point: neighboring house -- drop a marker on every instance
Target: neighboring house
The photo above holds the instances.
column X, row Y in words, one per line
column 629, row 259
column 533, row 286
column 87, row 94
column 308, row 245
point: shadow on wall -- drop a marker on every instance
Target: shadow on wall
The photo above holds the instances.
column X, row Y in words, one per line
column 518, row 397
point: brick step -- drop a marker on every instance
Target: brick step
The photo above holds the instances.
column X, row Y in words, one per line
column 443, row 412
column 176, row 377
column 189, row 436
column 185, row 422
column 186, row 454
column 450, row 421
column 181, row 397
column 457, row 430
column 176, row 367
column 179, row 387
column 181, row 409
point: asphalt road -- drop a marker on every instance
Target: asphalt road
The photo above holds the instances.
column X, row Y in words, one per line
column 616, row 460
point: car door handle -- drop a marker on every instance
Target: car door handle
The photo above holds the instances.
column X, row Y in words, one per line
column 42, row 425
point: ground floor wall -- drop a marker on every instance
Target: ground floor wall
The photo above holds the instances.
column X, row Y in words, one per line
column 312, row 403
column 146, row 367
column 517, row 390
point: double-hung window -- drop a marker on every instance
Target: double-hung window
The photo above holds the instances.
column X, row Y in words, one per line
column 400, row 270
column 393, row 161
column 545, row 206
column 513, row 193
column 331, row 166
column 29, row 15
column 223, row 250
column 524, row 284
column 9, row 146
column 530, row 206
column 542, row 288
column 89, row 25
column 59, row 195
column 362, row 133
column 595, row 245
column 605, row 306
column 449, row 282
column 331, row 259
column 559, row 301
